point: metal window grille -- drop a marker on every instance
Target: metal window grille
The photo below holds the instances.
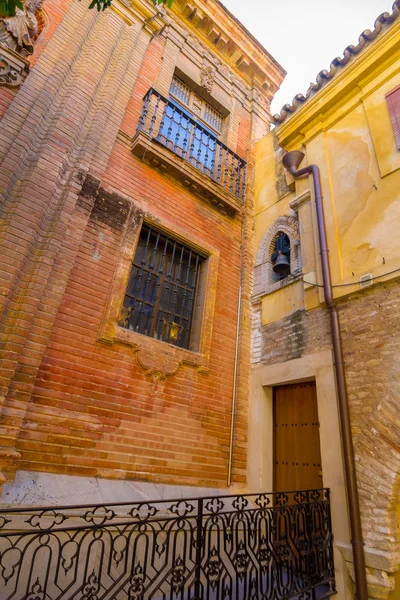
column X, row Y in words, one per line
column 161, row 291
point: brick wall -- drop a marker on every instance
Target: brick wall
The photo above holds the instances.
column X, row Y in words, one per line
column 94, row 397
column 72, row 189
column 301, row 332
column 371, row 340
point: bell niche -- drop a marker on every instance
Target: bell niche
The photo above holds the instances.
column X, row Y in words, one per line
column 280, row 257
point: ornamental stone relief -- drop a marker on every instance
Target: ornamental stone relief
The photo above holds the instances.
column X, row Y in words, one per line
column 13, row 68
column 235, row 85
column 17, row 37
column 158, row 365
column 19, row 32
column 207, row 76
column 217, row 65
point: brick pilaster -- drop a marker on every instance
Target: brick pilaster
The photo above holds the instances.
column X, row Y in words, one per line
column 61, row 125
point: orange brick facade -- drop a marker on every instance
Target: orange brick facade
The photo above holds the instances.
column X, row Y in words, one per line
column 74, row 196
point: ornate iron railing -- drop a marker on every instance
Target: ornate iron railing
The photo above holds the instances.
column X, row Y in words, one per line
column 177, row 129
column 267, row 546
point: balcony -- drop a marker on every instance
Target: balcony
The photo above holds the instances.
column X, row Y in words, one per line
column 170, row 138
column 272, row 546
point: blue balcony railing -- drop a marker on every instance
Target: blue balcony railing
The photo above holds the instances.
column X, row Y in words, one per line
column 177, row 129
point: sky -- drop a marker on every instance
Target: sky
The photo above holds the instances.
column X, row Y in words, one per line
column 305, row 35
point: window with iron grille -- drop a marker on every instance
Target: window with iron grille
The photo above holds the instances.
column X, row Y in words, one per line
column 160, row 296
column 393, row 102
column 184, row 127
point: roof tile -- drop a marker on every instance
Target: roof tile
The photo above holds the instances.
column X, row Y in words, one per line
column 382, row 23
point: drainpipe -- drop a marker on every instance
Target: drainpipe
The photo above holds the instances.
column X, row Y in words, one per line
column 291, row 162
column 233, row 405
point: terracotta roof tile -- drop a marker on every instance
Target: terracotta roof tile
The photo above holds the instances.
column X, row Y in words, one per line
column 382, row 23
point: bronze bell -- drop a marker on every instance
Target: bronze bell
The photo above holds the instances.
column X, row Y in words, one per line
column 281, row 265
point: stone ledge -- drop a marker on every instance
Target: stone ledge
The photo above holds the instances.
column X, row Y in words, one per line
column 299, row 200
column 374, row 559
column 380, row 569
column 152, row 152
column 32, row 488
column 270, row 288
column 159, row 359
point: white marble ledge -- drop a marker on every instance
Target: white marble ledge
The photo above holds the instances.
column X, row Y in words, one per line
column 31, row 489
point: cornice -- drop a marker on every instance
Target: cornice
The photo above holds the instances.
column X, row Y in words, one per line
column 134, row 11
column 366, row 38
column 187, row 38
column 345, row 89
column 222, row 33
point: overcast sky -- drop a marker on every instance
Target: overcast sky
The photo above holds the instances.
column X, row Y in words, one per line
column 305, row 35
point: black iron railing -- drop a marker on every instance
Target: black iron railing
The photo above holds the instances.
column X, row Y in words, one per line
column 177, row 129
column 267, row 546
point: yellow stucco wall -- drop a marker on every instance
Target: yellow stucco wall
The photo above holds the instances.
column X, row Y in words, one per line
column 346, row 130
column 282, row 302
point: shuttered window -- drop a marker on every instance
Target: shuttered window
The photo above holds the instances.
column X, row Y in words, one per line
column 180, row 90
column 393, row 102
column 198, row 106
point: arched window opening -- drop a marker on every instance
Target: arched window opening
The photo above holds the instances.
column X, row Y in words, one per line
column 280, row 257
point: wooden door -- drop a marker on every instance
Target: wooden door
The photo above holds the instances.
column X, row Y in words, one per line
column 297, row 455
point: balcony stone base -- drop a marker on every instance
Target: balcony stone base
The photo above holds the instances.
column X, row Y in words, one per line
column 154, row 153
column 13, row 68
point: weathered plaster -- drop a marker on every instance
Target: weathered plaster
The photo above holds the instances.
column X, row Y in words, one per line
column 345, row 129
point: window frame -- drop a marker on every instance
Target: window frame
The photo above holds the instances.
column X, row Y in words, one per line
column 143, row 346
column 264, row 282
column 153, row 261
column 393, row 103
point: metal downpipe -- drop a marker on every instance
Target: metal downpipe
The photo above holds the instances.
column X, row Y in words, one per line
column 291, row 161
column 233, row 405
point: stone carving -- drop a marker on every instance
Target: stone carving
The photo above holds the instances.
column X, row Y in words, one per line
column 221, row 67
column 260, row 98
column 156, row 365
column 13, row 68
column 17, row 32
column 207, row 78
column 194, row 41
column 226, row 72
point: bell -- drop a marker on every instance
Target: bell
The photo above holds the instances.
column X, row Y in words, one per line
column 282, row 265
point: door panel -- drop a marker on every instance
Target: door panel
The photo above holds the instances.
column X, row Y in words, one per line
column 297, row 456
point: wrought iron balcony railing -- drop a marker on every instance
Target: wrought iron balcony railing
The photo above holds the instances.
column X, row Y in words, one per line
column 177, row 129
column 270, row 546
